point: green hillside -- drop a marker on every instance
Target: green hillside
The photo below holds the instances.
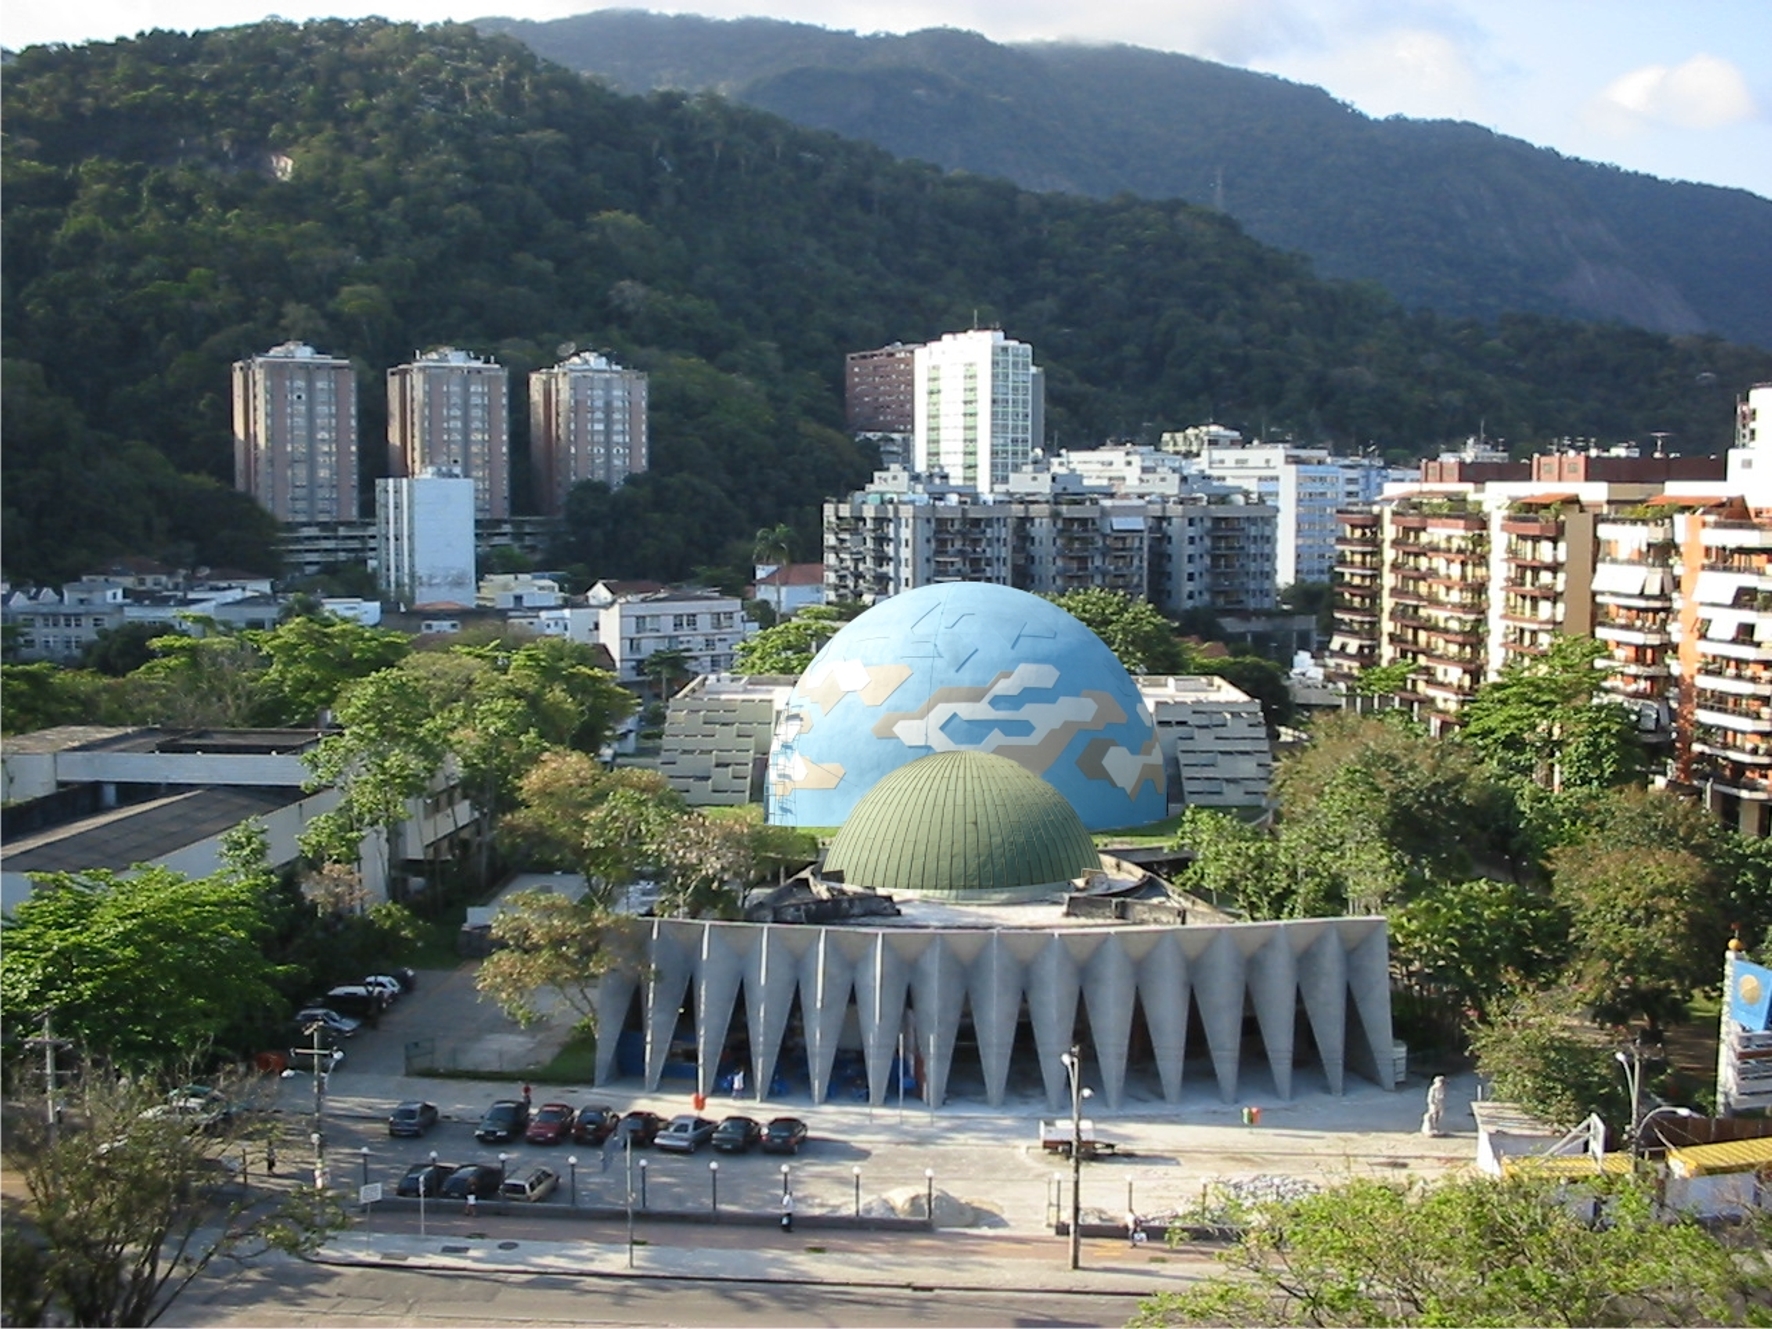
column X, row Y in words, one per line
column 175, row 202
column 1444, row 215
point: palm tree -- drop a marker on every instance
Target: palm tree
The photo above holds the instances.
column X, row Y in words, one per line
column 664, row 667
column 775, row 544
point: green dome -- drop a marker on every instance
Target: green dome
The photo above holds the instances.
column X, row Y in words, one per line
column 966, row 826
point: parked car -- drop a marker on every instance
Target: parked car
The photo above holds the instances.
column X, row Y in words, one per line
column 685, row 1134
column 595, row 1124
column 412, row 1117
column 735, row 1135
column 197, row 1106
column 505, row 1120
column 784, row 1135
column 481, row 1180
column 429, row 1176
column 535, row 1184
column 355, row 1000
column 551, row 1124
column 641, row 1127
column 328, row 1019
column 386, row 984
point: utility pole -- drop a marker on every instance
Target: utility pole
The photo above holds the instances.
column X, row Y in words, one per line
column 50, row 1044
column 1073, row 1064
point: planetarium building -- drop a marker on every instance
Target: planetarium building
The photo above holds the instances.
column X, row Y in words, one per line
column 962, row 931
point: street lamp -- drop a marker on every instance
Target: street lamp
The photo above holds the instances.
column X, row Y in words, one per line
column 425, row 1182
column 1653, row 1113
column 572, row 1162
column 714, row 1187
column 643, row 1203
column 857, row 1171
column 1633, row 1077
column 784, row 1178
column 365, row 1152
column 504, row 1201
column 1072, row 1062
column 628, row 1140
column 929, row 1195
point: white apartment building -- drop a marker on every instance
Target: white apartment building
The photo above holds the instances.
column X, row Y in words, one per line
column 980, row 406
column 1307, row 486
column 905, row 531
column 587, row 421
column 295, row 433
column 635, row 619
column 449, row 409
column 425, row 539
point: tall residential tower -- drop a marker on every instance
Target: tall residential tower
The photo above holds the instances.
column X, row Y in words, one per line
column 295, row 433
column 980, row 405
column 448, row 410
column 587, row 421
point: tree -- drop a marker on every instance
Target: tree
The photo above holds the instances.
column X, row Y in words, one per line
column 788, row 647
column 124, row 1205
column 1385, row 680
column 1130, row 627
column 1479, row 940
column 145, row 968
column 1261, row 679
column 208, row 682
column 1234, row 863
column 664, row 667
column 774, row 546
column 1536, row 1051
column 573, row 815
column 1546, row 719
column 548, row 943
column 311, row 660
column 121, row 650
column 42, row 695
column 1472, row 1250
column 1644, row 927
column 551, row 671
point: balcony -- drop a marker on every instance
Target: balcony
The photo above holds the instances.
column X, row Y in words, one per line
column 1748, row 749
column 1542, row 527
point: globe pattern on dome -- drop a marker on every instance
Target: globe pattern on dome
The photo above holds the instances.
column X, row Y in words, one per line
column 966, row 666
column 963, row 826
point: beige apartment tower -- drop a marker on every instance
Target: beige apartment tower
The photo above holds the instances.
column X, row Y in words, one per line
column 448, row 410
column 295, row 433
column 587, row 421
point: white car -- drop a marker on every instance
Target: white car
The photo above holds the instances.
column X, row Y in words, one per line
column 331, row 1020
column 388, row 986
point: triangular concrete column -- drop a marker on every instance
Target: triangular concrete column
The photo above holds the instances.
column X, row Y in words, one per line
column 1163, row 989
column 1109, row 988
column 1052, row 987
column 827, row 976
column 771, row 973
column 720, row 965
column 938, row 988
column 1217, row 974
column 615, row 993
column 994, row 985
column 1369, row 983
column 673, row 965
column 1322, row 982
column 1272, row 976
column 880, row 980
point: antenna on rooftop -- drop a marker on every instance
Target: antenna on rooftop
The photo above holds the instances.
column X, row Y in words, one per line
column 1660, row 437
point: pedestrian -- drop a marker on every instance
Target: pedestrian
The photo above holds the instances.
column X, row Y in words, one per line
column 526, row 1095
column 787, row 1211
column 1132, row 1232
column 270, row 1158
column 473, row 1204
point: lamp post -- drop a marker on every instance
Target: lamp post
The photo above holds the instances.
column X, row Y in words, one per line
column 1653, row 1113
column 643, row 1203
column 714, row 1187
column 504, row 1202
column 856, row 1170
column 1633, row 1077
column 628, row 1138
column 1073, row 1065
column 784, row 1178
column 364, row 1151
column 572, row 1162
column 929, row 1195
column 425, row 1182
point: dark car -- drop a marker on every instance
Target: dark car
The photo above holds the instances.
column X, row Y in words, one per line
column 355, row 1000
column 481, row 1180
column 640, row 1126
column 685, row 1134
column 784, row 1135
column 551, row 1125
column 595, row 1124
column 504, row 1121
column 430, row 1176
column 735, row 1135
column 412, row 1118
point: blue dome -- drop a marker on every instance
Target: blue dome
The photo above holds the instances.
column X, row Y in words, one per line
column 966, row 666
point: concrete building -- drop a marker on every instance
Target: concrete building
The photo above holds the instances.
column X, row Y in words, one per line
column 980, row 407
column 879, row 393
column 80, row 798
column 587, row 421
column 905, row 531
column 789, row 587
column 519, row 590
column 717, row 732
column 1214, row 741
column 449, row 410
column 425, row 540
column 635, row 619
column 295, row 433
column 1306, row 487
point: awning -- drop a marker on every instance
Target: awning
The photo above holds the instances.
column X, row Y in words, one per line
column 1721, row 588
column 1721, row 624
column 1700, row 1160
column 1620, row 578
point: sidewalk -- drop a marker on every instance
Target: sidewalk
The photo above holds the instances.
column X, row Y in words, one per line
column 960, row 1261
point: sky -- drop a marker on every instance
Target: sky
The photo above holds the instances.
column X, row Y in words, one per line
column 1676, row 88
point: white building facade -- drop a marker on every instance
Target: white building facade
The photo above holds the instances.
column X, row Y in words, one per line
column 635, row 621
column 1306, row 486
column 425, row 539
column 980, row 404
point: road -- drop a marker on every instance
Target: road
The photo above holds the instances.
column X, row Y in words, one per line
column 278, row 1292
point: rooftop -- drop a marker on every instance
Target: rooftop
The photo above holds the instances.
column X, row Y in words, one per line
column 119, row 838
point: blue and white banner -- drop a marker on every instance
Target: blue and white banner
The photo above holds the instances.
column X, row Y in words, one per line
column 1750, row 995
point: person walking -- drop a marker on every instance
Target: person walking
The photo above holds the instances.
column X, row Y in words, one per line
column 270, row 1158
column 787, row 1211
column 473, row 1204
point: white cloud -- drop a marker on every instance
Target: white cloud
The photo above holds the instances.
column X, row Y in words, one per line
column 1703, row 93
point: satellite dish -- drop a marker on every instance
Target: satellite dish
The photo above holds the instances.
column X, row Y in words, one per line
column 565, row 349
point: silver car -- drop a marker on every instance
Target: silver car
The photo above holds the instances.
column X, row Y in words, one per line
column 536, row 1184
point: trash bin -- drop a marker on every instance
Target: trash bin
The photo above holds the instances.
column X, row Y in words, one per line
column 1252, row 1116
column 699, row 1100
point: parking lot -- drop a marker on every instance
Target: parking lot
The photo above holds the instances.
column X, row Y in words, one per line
column 988, row 1169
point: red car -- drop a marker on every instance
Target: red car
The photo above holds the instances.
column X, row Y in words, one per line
column 551, row 1124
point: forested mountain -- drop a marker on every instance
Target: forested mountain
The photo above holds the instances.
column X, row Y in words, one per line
column 1444, row 215
column 175, row 202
